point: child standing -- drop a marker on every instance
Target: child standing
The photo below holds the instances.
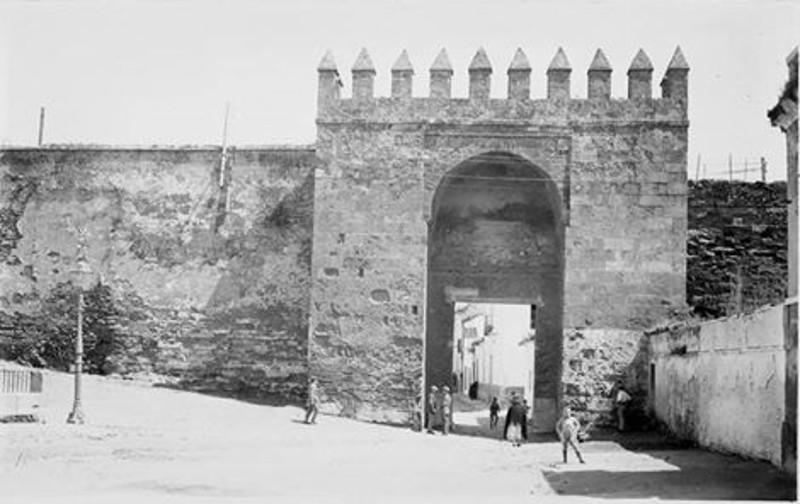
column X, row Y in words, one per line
column 312, row 402
column 567, row 429
column 494, row 410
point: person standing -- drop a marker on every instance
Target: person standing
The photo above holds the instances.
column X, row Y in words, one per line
column 622, row 399
column 494, row 410
column 515, row 421
column 567, row 429
column 312, row 401
column 447, row 410
column 416, row 412
column 431, row 409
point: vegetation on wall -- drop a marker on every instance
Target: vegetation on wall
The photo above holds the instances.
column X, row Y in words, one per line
column 47, row 337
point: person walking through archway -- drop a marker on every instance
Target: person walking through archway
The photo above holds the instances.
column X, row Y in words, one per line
column 494, row 410
column 515, row 422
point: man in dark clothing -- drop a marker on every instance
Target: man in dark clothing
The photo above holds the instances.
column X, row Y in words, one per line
column 516, row 419
column 494, row 410
column 473, row 391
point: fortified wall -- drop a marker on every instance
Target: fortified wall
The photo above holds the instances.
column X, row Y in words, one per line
column 576, row 205
column 243, row 274
column 207, row 262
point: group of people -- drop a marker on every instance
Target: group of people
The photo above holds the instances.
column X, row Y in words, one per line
column 439, row 410
column 516, row 429
column 439, row 413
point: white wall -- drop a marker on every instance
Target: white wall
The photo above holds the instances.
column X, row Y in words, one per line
column 727, row 390
column 501, row 361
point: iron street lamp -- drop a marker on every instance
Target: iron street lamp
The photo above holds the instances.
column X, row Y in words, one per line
column 83, row 278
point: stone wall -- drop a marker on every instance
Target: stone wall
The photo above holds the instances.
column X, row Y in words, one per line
column 609, row 173
column 209, row 271
column 738, row 246
column 721, row 383
column 626, row 239
column 594, row 361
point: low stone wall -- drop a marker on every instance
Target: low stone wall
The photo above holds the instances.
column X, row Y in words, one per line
column 722, row 383
column 594, row 360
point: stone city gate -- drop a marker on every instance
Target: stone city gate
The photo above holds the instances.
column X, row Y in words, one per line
column 577, row 204
column 496, row 235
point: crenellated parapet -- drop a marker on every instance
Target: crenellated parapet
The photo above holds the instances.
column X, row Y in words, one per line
column 518, row 104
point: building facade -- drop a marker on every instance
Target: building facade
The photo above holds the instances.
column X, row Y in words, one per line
column 345, row 259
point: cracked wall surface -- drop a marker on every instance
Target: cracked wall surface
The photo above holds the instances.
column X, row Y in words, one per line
column 209, row 270
column 618, row 173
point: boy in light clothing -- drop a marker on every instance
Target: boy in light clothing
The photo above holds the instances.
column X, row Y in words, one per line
column 567, row 429
column 622, row 399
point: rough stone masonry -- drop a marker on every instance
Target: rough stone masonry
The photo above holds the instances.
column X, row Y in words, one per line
column 344, row 259
column 575, row 205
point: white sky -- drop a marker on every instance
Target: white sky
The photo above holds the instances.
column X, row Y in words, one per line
column 160, row 72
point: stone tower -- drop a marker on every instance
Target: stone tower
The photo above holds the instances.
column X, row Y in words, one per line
column 574, row 205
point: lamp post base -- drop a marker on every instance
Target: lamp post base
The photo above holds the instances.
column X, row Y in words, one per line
column 75, row 416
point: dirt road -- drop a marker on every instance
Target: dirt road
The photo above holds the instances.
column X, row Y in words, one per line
column 144, row 444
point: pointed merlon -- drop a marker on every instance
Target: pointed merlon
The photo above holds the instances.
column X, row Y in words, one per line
column 480, row 61
column 520, row 61
column 678, row 62
column 442, row 62
column 363, row 62
column 327, row 64
column 641, row 62
column 403, row 64
column 600, row 62
column 560, row 61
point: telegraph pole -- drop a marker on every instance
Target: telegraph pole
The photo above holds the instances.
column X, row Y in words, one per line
column 730, row 167
column 697, row 169
column 224, row 157
column 41, row 125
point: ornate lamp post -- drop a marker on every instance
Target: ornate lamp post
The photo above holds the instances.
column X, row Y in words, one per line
column 83, row 278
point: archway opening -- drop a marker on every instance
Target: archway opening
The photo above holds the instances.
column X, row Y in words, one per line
column 493, row 362
column 496, row 238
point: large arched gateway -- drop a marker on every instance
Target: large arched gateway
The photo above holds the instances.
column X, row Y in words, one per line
column 575, row 206
column 496, row 235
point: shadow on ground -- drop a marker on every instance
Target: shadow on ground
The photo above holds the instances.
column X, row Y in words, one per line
column 263, row 400
column 684, row 473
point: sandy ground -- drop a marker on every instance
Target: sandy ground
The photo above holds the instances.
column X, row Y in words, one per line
column 145, row 444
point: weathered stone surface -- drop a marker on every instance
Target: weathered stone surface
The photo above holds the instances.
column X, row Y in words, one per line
column 345, row 260
column 737, row 246
column 577, row 206
column 722, row 383
column 211, row 278
column 594, row 360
